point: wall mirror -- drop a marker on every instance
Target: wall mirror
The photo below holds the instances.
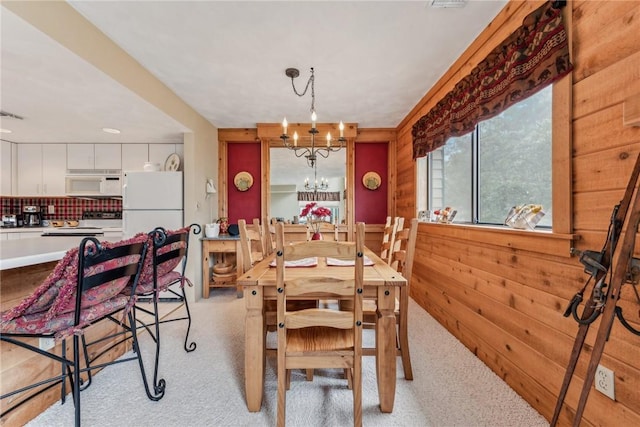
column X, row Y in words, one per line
column 288, row 175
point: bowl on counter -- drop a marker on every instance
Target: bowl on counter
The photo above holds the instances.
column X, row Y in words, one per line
column 57, row 222
column 72, row 223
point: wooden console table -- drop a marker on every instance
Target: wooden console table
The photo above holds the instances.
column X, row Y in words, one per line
column 215, row 250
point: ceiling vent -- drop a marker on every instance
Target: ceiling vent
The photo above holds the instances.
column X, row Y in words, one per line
column 448, row 3
column 11, row 116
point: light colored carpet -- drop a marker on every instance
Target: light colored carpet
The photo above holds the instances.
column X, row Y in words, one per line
column 451, row 387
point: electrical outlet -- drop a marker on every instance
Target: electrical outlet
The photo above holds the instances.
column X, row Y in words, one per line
column 46, row 343
column 51, row 209
column 604, row 382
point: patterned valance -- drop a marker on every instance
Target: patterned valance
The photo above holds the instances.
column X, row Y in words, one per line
column 531, row 58
column 321, row 196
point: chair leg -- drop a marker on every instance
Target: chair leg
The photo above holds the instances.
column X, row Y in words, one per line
column 403, row 332
column 76, row 378
column 310, row 374
column 357, row 393
column 348, row 374
column 282, row 393
column 158, row 387
column 85, row 384
column 192, row 346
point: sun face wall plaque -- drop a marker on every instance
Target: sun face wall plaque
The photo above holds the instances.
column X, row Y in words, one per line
column 371, row 180
column 243, row 181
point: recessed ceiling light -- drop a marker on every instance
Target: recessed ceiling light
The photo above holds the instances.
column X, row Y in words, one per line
column 448, row 3
column 111, row 130
column 5, row 131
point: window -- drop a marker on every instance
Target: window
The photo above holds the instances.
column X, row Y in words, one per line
column 505, row 161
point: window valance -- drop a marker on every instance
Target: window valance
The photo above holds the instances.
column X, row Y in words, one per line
column 531, row 58
column 324, row 196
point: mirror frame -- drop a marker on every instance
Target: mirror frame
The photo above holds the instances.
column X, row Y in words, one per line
column 268, row 134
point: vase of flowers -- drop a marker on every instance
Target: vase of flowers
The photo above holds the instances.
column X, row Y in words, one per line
column 315, row 216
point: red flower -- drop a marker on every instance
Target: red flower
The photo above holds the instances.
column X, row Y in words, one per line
column 315, row 214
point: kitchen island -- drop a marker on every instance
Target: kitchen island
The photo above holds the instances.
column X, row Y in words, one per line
column 36, row 250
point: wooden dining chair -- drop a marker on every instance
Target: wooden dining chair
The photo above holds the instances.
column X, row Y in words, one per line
column 388, row 238
column 320, row 337
column 402, row 260
column 269, row 235
column 251, row 243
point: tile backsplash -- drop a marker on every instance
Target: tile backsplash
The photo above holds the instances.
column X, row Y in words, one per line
column 65, row 207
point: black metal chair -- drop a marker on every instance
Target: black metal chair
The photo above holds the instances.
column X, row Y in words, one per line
column 170, row 249
column 103, row 271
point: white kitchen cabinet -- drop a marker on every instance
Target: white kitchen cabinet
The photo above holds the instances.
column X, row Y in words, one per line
column 41, row 169
column 94, row 156
column 6, row 164
column 80, row 156
column 54, row 168
column 108, row 156
column 134, row 156
column 158, row 153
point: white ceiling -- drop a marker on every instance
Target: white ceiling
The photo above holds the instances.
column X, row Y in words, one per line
column 374, row 61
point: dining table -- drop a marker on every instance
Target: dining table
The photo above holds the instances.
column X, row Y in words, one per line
column 380, row 283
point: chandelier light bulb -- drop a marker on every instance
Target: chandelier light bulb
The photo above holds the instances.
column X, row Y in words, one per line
column 295, row 138
column 328, row 139
column 341, row 127
column 284, row 126
column 314, row 118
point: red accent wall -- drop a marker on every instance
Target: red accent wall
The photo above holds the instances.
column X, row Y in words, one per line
column 371, row 205
column 244, row 204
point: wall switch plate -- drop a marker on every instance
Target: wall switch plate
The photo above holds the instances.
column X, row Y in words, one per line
column 51, row 209
column 604, row 382
column 46, row 343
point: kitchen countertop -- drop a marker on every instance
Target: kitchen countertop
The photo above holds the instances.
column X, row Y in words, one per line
column 25, row 252
column 43, row 229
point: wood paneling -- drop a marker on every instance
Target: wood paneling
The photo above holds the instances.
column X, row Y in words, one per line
column 503, row 295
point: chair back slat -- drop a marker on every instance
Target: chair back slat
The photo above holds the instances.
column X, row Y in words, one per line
column 320, row 248
column 130, row 257
column 319, row 317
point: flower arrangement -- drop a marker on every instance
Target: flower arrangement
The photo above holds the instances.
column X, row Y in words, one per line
column 315, row 215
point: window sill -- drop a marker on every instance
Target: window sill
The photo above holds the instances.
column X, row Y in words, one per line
column 540, row 241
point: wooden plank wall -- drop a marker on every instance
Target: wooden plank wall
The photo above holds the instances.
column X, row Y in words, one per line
column 505, row 300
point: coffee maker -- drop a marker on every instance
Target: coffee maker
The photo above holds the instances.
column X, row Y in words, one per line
column 32, row 216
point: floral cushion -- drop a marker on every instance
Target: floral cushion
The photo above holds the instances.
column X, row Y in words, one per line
column 104, row 291
column 163, row 284
column 146, row 275
column 57, row 294
column 62, row 324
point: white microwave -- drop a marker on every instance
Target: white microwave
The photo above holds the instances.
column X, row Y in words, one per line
column 93, row 185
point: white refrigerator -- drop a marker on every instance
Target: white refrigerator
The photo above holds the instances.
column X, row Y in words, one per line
column 150, row 200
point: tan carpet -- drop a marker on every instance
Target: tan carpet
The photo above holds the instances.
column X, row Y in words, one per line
column 206, row 388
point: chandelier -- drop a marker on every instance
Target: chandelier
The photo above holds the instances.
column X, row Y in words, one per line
column 312, row 152
column 315, row 187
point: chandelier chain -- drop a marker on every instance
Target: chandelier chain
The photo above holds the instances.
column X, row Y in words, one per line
column 311, row 82
column 310, row 153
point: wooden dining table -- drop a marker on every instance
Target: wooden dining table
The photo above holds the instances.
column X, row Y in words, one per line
column 259, row 285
